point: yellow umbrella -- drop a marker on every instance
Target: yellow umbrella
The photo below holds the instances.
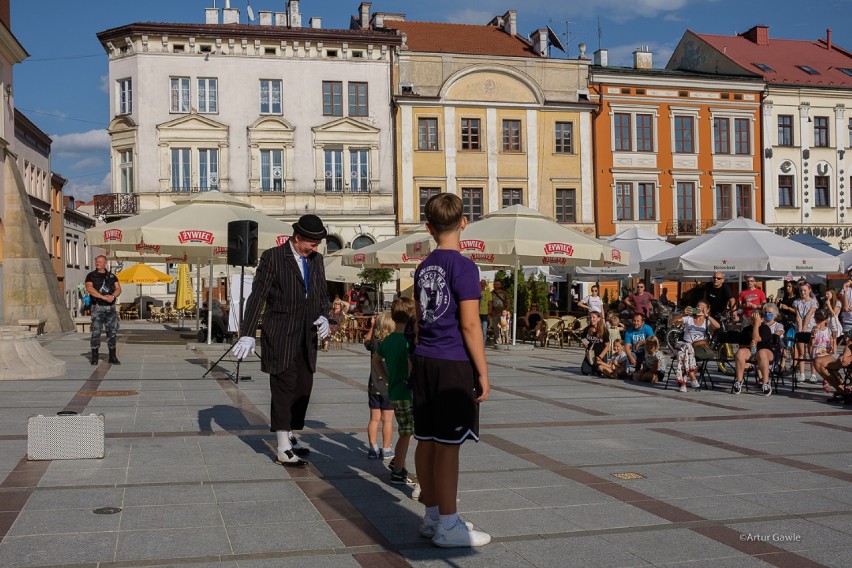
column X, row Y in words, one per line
column 142, row 274
column 183, row 295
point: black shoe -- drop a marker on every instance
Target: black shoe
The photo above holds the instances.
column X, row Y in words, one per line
column 288, row 459
column 298, row 449
column 94, row 358
column 113, row 360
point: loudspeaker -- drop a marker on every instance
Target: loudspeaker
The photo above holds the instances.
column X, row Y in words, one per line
column 242, row 243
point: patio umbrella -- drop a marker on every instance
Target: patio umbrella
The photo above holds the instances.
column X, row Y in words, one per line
column 195, row 229
column 641, row 244
column 336, row 272
column 142, row 274
column 815, row 242
column 741, row 246
column 390, row 253
column 183, row 294
column 517, row 235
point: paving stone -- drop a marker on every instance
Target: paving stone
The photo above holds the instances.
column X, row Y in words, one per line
column 172, row 543
column 582, row 551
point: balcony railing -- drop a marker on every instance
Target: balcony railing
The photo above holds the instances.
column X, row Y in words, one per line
column 116, row 204
column 193, row 189
column 688, row 227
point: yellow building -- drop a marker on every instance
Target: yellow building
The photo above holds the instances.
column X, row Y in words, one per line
column 484, row 113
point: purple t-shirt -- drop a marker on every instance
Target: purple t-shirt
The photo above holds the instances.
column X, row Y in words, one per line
column 441, row 281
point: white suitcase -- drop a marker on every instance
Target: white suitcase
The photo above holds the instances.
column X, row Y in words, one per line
column 65, row 437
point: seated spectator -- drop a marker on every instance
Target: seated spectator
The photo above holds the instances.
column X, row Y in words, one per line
column 533, row 319
column 595, row 341
column 822, row 340
column 617, row 365
column 698, row 325
column 634, row 340
column 755, row 341
column 828, row 366
column 653, row 363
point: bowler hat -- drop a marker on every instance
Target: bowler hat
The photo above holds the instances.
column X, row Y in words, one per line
column 310, row 226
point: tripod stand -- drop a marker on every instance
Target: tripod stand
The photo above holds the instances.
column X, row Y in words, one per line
column 235, row 377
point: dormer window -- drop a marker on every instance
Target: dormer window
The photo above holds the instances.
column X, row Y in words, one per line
column 808, row 70
column 764, row 67
column 845, row 70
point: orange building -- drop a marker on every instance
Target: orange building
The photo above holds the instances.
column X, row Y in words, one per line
column 675, row 151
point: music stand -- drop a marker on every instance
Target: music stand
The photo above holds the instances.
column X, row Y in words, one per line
column 235, row 377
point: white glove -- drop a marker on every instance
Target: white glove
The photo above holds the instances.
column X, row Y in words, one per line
column 243, row 347
column 322, row 326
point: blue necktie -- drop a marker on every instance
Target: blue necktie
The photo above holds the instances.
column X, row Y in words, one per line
column 305, row 273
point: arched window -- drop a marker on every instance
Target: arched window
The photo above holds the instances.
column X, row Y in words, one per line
column 361, row 241
column 332, row 244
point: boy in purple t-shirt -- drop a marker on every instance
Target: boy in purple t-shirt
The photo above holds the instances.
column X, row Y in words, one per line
column 450, row 372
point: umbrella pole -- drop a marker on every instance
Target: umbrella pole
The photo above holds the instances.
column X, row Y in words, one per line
column 140, row 302
column 197, row 297
column 210, row 303
column 515, row 302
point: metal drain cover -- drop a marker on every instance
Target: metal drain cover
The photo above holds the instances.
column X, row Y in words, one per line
column 107, row 510
column 628, row 475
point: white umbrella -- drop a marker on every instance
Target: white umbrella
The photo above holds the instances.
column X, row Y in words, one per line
column 336, row 272
column 641, row 245
column 194, row 229
column 390, row 253
column 741, row 246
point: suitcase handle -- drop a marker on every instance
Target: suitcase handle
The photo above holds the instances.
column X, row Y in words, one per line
column 66, row 413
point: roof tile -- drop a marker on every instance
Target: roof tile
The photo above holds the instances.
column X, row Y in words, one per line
column 469, row 39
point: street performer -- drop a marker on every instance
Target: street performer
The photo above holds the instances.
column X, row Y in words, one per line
column 103, row 289
column 290, row 283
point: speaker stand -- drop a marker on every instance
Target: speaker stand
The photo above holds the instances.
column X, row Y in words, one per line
column 235, row 377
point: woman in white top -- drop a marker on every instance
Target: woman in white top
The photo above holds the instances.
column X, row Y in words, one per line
column 593, row 302
column 805, row 306
column 697, row 327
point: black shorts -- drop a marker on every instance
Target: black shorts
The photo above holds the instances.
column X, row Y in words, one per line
column 378, row 402
column 445, row 407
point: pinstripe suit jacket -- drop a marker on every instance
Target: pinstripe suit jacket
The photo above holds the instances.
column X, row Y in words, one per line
column 288, row 329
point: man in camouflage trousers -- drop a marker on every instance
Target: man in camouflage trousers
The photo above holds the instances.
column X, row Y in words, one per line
column 103, row 288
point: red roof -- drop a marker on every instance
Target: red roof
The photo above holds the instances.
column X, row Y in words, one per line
column 784, row 56
column 462, row 38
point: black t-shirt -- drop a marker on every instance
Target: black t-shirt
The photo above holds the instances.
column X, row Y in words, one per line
column 103, row 283
column 533, row 319
column 765, row 336
column 718, row 298
column 596, row 343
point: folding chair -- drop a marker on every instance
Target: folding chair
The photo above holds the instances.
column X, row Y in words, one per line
column 723, row 339
column 776, row 369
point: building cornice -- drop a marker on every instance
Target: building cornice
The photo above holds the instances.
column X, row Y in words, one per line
column 10, row 47
column 672, row 81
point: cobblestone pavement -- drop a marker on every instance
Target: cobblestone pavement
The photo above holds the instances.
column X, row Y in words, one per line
column 571, row 470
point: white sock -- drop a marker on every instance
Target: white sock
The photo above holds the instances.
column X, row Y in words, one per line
column 432, row 513
column 374, row 447
column 449, row 521
column 283, row 441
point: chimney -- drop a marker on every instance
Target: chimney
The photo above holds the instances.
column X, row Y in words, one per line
column 642, row 58
column 293, row 11
column 280, row 19
column 364, row 14
column 211, row 15
column 510, row 22
column 230, row 16
column 539, row 41
column 265, row 18
column 758, row 35
column 315, row 22
column 828, row 39
column 600, row 57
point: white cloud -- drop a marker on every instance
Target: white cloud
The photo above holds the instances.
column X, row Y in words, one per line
column 622, row 55
column 90, row 162
column 104, row 83
column 80, row 142
column 85, row 191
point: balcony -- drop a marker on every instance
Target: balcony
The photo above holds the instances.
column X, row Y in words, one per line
column 680, row 228
column 116, row 205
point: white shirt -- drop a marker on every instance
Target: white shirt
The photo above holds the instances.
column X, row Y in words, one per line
column 693, row 332
column 595, row 303
column 297, row 258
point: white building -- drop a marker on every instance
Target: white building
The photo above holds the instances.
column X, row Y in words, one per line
column 292, row 119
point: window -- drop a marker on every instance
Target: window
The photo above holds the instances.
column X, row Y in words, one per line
column 332, row 244
column 358, row 99
column 785, row 130
column 721, row 143
column 785, row 191
column 644, row 133
column 686, row 207
column 646, row 202
column 208, row 95
column 334, row 170
column 807, row 69
column 362, row 241
column 624, row 201
column 332, row 98
column 622, row 132
column 425, row 194
column 125, row 170
column 470, row 133
column 270, row 96
column 566, row 205
column 271, row 170
column 179, row 92
column 821, row 131
column 821, row 191
column 511, row 135
column 125, row 96
column 472, row 203
column 180, row 169
column 208, row 168
column 512, row 196
column 360, row 180
column 427, row 133
column 723, row 202
column 764, row 67
column 850, row 132
column 684, row 134
column 564, row 138
column 742, row 136
column 744, row 200
column 845, row 70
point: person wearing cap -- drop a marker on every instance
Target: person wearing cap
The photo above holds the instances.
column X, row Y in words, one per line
column 290, row 283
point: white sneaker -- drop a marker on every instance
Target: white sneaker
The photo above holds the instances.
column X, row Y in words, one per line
column 683, row 387
column 813, row 379
column 428, row 527
column 460, row 535
column 415, row 493
column 695, row 384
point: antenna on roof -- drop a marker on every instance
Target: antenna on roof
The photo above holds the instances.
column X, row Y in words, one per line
column 600, row 32
column 249, row 11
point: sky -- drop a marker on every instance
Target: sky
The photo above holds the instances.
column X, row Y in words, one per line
column 62, row 87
